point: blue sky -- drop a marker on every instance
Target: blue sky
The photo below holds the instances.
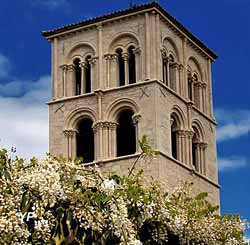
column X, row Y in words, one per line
column 223, row 25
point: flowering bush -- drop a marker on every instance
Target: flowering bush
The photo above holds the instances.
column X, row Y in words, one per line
column 54, row 201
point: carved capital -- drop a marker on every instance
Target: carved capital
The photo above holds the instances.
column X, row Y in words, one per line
column 64, row 67
column 108, row 56
column 175, row 65
column 71, row 68
column 69, row 132
column 163, row 52
column 204, row 85
column 203, row 145
column 136, row 118
column 114, row 57
column 137, row 51
column 181, row 67
column 113, row 125
column 97, row 125
column 125, row 56
column 93, row 61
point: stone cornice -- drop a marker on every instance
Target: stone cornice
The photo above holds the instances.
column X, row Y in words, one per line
column 130, row 12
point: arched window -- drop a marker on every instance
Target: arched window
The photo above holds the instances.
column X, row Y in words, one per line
column 121, row 67
column 174, row 128
column 132, row 65
column 78, row 76
column 88, row 75
column 126, row 134
column 85, row 140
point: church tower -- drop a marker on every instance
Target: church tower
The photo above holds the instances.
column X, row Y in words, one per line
column 131, row 73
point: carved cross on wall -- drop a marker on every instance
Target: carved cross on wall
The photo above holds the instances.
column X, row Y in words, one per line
column 145, row 92
column 59, row 108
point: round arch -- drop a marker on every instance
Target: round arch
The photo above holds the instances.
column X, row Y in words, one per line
column 80, row 50
column 195, row 67
column 179, row 116
column 74, row 117
column 199, row 130
column 123, row 40
column 119, row 105
column 171, row 48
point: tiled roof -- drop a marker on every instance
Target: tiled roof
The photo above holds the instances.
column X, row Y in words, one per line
column 131, row 10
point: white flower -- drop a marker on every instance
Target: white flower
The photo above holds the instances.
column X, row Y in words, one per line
column 108, row 185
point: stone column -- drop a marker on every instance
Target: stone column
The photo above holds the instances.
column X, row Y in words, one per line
column 125, row 57
column 54, row 68
column 138, row 67
column 153, row 43
column 147, row 44
column 108, row 58
column 113, row 139
column 189, row 157
column 164, row 65
column 185, row 72
column 198, row 157
column 98, row 131
column 105, row 141
column 93, row 73
column 83, row 78
column 181, row 80
column 70, row 143
column 203, row 147
column 100, row 78
column 176, row 78
column 64, row 80
column 71, row 81
column 210, row 93
column 200, row 96
column 136, row 119
column 114, row 71
column 205, row 98
column 180, row 145
column 168, row 82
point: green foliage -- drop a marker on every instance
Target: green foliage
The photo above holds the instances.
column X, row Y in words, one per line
column 75, row 204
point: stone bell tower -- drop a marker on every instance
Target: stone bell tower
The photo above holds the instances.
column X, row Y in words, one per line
column 131, row 73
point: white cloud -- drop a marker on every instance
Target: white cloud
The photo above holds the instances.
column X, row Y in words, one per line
column 247, row 239
column 232, row 124
column 24, row 120
column 232, row 163
column 51, row 4
column 4, row 66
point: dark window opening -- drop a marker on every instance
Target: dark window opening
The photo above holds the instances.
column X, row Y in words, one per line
column 88, row 75
column 194, row 151
column 85, row 141
column 126, row 139
column 174, row 140
column 121, row 67
column 190, row 91
column 132, row 65
column 78, row 76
